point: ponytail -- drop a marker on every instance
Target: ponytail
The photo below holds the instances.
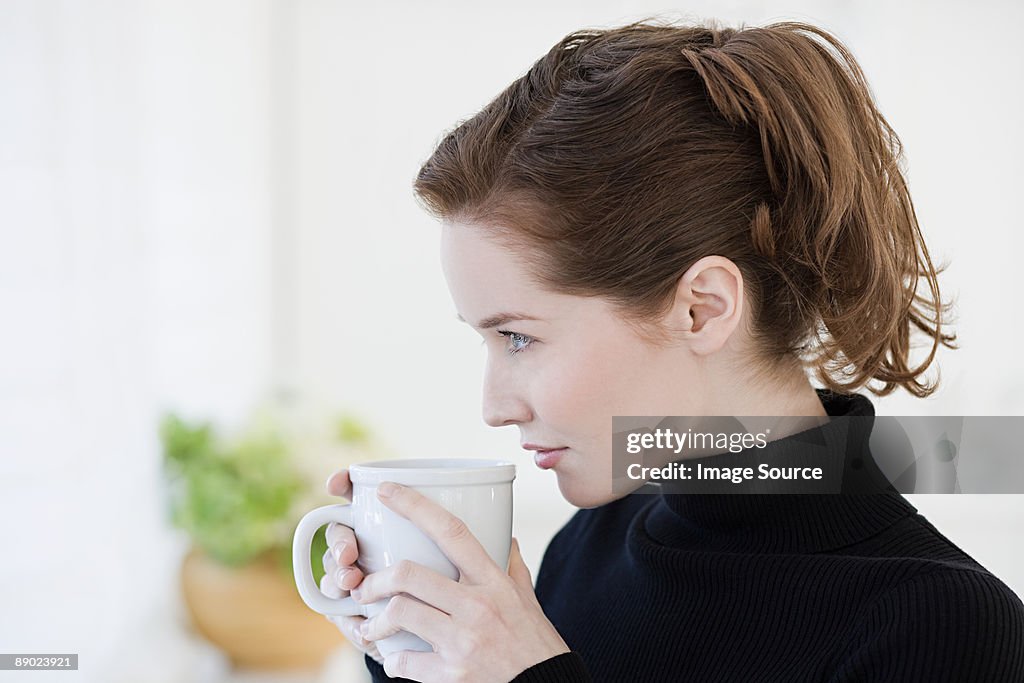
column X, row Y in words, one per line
column 840, row 229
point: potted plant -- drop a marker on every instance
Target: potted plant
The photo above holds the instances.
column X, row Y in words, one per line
column 239, row 499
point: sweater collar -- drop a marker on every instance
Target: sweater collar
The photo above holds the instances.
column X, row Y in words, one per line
column 801, row 523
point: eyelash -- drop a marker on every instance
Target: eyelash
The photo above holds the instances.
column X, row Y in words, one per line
column 509, row 334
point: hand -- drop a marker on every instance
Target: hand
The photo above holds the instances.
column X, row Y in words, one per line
column 487, row 626
column 341, row 575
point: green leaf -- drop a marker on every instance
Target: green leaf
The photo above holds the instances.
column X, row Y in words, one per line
column 351, row 430
column 234, row 497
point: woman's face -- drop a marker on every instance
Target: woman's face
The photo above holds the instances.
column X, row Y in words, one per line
column 561, row 376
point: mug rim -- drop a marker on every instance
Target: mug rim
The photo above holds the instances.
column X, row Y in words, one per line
column 427, row 471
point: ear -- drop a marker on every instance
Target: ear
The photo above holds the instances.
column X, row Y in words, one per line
column 709, row 304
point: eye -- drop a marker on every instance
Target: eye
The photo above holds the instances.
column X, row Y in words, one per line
column 513, row 336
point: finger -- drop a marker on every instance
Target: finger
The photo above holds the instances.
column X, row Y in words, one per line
column 339, row 484
column 408, row 614
column 418, row 666
column 349, row 627
column 341, row 541
column 367, row 646
column 517, row 568
column 349, row 577
column 330, row 566
column 450, row 533
column 412, row 579
column 371, row 649
column 344, row 577
column 328, row 587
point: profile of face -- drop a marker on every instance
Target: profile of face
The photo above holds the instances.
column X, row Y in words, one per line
column 563, row 365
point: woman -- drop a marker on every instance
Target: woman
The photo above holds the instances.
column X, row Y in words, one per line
column 666, row 220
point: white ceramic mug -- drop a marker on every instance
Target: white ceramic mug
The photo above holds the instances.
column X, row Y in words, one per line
column 479, row 492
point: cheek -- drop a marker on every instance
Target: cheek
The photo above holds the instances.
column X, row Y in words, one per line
column 568, row 398
column 581, row 391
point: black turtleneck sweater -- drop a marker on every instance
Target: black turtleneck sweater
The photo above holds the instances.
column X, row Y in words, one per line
column 771, row 587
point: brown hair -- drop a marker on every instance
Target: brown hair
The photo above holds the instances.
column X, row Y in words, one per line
column 624, row 155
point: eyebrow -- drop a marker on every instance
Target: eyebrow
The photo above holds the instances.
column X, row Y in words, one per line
column 498, row 319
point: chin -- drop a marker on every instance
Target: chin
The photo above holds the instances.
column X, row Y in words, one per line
column 582, row 496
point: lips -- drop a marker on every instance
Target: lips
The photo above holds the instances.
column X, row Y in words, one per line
column 548, row 459
column 541, row 449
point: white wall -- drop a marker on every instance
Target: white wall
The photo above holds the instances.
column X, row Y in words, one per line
column 202, row 201
column 135, row 205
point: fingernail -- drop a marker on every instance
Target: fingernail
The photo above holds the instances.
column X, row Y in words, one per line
column 337, row 550
column 364, row 628
column 387, row 489
column 356, row 594
column 341, row 575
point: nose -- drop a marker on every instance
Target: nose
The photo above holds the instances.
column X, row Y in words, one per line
column 503, row 400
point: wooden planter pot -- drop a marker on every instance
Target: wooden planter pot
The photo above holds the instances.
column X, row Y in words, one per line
column 255, row 615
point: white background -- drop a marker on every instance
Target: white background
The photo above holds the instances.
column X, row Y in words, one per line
column 205, row 201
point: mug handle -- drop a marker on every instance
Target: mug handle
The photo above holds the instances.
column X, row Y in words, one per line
column 310, row 592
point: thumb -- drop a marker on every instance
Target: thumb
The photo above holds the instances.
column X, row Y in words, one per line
column 517, row 568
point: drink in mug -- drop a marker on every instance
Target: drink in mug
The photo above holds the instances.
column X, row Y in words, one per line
column 479, row 492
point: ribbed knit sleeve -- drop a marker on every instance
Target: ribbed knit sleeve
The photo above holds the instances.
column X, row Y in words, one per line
column 564, row 668
column 943, row 625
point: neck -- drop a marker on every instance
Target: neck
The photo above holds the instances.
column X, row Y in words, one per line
column 784, row 391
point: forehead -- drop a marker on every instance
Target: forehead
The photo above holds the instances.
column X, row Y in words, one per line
column 470, row 249
column 485, row 277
